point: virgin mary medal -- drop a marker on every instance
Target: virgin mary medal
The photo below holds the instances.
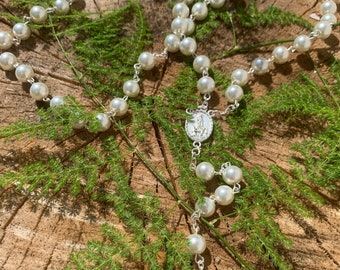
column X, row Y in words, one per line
column 199, row 127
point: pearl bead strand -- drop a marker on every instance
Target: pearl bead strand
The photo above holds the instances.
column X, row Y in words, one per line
column 281, row 54
column 182, row 26
column 232, row 175
column 21, row 31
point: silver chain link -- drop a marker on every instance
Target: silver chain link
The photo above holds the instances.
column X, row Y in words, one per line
column 230, row 108
column 237, row 188
column 16, row 41
column 27, row 19
column 51, row 10
column 163, row 54
column 205, row 104
column 195, row 217
column 31, row 80
column 223, row 168
column 199, row 261
column 195, row 152
column 137, row 67
column 111, row 113
column 291, row 49
column 314, row 35
column 205, row 73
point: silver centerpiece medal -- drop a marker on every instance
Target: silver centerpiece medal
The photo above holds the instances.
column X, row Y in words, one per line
column 199, row 127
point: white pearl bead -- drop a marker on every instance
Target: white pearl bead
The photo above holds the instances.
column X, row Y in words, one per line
column 240, row 77
column 232, row 175
column 39, row 91
column 104, row 121
column 205, row 170
column 328, row 7
column 38, row 14
column 260, row 65
column 180, row 10
column 199, row 11
column 131, row 88
column 188, row 46
column 61, row 7
column 207, row 207
column 280, row 54
column 24, row 73
column 196, row 244
column 171, row 43
column 179, row 25
column 329, row 17
column 206, row 85
column 233, row 93
column 217, row 3
column 147, row 60
column 21, row 31
column 57, row 101
column 201, row 63
column 302, row 43
column 8, row 61
column 6, row 40
column 119, row 106
column 224, row 195
column 323, row 30
column 190, row 27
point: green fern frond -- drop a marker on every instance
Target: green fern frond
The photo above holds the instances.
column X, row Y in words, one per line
column 78, row 174
column 251, row 17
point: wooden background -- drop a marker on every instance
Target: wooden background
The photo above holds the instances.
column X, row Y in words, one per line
column 40, row 233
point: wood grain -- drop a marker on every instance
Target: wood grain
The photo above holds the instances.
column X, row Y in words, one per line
column 41, row 234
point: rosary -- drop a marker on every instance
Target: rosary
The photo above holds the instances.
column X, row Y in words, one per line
column 199, row 125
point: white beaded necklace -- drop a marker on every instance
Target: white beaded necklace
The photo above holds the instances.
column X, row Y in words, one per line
column 200, row 127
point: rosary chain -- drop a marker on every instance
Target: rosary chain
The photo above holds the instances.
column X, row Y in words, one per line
column 199, row 259
column 195, row 217
column 195, row 152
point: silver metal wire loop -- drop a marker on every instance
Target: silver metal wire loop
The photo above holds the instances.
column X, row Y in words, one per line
column 31, row 81
column 236, row 188
column 195, row 152
column 50, row 10
column 137, row 67
column 199, row 259
column 163, row 54
column 195, row 217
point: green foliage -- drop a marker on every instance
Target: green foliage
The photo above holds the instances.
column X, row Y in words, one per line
column 54, row 122
column 106, row 254
column 298, row 101
column 252, row 17
column 247, row 18
column 170, row 110
column 107, row 55
column 256, row 207
column 26, row 4
column 148, row 234
column 110, row 56
column 79, row 174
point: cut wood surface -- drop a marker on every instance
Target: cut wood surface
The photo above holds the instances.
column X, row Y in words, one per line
column 41, row 233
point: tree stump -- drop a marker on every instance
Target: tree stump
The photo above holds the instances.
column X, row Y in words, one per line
column 38, row 233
